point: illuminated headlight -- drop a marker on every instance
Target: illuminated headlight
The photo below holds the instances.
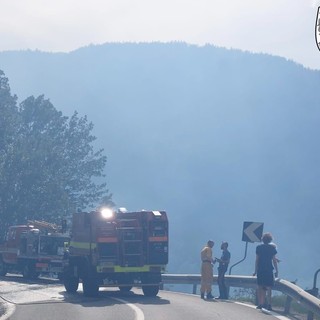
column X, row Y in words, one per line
column 107, row 213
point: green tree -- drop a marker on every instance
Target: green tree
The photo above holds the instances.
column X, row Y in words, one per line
column 9, row 124
column 49, row 166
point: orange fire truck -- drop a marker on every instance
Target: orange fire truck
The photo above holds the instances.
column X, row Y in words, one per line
column 33, row 249
column 117, row 249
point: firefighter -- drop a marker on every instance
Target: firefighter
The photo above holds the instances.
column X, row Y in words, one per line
column 207, row 270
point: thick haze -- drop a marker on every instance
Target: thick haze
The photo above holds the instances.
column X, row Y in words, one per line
column 216, row 137
column 284, row 28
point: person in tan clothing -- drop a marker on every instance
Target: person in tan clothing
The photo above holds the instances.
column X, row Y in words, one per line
column 207, row 270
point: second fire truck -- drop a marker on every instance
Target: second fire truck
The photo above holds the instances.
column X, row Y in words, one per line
column 33, row 249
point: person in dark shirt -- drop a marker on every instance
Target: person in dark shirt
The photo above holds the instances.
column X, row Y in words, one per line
column 222, row 269
column 265, row 263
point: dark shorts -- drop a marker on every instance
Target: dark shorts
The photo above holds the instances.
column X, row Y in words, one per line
column 265, row 278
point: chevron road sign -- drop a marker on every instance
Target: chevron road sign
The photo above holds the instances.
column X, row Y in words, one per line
column 252, row 231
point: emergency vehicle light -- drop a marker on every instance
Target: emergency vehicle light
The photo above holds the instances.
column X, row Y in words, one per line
column 107, row 213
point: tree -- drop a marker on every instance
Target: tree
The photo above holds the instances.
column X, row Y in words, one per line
column 9, row 122
column 49, row 166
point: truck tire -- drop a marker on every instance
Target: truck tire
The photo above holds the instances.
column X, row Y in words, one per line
column 71, row 283
column 150, row 291
column 151, row 284
column 3, row 268
column 125, row 282
column 60, row 277
column 125, row 288
column 29, row 271
column 90, row 286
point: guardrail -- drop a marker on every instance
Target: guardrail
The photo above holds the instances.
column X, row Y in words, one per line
column 292, row 291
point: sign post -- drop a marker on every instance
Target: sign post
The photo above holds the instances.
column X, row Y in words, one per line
column 252, row 232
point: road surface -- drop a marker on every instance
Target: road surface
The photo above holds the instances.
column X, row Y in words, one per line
column 44, row 299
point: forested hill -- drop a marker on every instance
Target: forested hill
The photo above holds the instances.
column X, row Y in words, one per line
column 216, row 137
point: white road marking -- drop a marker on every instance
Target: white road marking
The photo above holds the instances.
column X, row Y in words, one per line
column 274, row 314
column 138, row 312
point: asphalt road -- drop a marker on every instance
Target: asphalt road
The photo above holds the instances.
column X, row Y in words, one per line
column 48, row 300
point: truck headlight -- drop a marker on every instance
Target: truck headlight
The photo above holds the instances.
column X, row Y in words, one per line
column 107, row 213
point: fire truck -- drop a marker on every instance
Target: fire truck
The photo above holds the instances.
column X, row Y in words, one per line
column 117, row 249
column 33, row 249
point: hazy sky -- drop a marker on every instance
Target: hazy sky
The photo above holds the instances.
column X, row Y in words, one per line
column 280, row 27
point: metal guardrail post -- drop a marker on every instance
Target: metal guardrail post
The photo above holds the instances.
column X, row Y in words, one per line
column 194, row 289
column 315, row 279
column 314, row 291
column 310, row 315
column 287, row 305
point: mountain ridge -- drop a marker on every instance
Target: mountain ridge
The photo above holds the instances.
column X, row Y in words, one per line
column 215, row 136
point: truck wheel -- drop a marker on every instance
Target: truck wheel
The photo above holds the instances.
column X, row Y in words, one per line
column 3, row 268
column 90, row 287
column 71, row 283
column 35, row 275
column 125, row 288
column 60, row 277
column 150, row 291
column 125, row 282
column 29, row 272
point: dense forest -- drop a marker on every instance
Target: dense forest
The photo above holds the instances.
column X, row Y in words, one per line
column 213, row 136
